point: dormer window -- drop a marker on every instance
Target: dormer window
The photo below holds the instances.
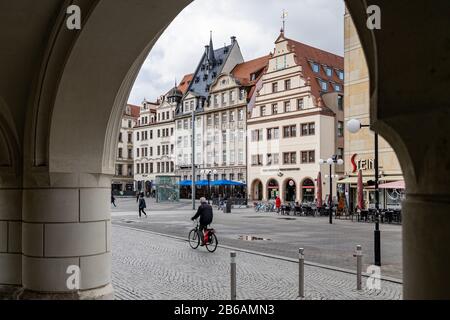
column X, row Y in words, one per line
column 205, row 77
column 324, row 85
column 202, row 67
column 315, row 67
column 337, row 87
column 340, row 74
column 328, row 71
column 197, row 79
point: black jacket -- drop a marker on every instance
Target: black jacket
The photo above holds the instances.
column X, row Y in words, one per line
column 205, row 212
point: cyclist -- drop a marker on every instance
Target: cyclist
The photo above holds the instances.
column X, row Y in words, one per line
column 205, row 212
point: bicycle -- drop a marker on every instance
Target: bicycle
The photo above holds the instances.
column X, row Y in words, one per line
column 210, row 238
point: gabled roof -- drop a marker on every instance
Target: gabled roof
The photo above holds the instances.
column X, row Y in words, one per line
column 185, row 82
column 306, row 54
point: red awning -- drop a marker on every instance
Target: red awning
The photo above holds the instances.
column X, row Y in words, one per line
column 393, row 185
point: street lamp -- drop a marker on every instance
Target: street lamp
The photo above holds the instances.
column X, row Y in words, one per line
column 208, row 174
column 354, row 126
column 330, row 162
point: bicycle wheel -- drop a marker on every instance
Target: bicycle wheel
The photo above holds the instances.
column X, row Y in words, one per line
column 211, row 245
column 194, row 240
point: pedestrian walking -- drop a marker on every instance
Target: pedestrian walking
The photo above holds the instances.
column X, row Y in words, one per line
column 137, row 196
column 142, row 206
column 113, row 200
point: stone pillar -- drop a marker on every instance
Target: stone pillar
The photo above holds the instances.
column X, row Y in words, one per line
column 67, row 224
column 10, row 241
column 426, row 247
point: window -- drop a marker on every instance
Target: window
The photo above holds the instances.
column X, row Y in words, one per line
column 340, row 74
column 287, row 84
column 151, row 151
column 224, row 117
column 290, row 131
column 224, row 137
column 257, row 160
column 137, row 136
column 232, row 95
column 287, row 106
column 329, row 71
column 216, row 100
column 199, row 139
column 120, row 153
column 130, row 138
column 209, row 120
column 273, row 133
column 159, row 133
column 300, row 104
column 337, row 87
column 232, row 156
column 151, row 134
column 241, row 115
column 315, row 67
column 308, row 129
column 137, row 153
column 289, row 158
column 179, row 125
column 340, row 132
column 263, row 111
column 275, row 87
column 308, row 156
column 120, row 137
column 241, row 156
column 130, row 153
column 323, row 85
column 185, row 124
column 232, row 136
column 275, row 108
column 216, row 119
column 151, row 167
column 159, row 151
column 137, row 168
column 341, row 102
column 231, row 116
column 223, row 99
column 257, row 135
column 231, row 176
column 129, row 124
column 272, row 159
column 241, row 94
column 224, row 157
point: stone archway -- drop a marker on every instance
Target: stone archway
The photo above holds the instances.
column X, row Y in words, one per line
column 61, row 179
column 308, row 190
column 290, row 190
column 273, row 189
column 257, row 190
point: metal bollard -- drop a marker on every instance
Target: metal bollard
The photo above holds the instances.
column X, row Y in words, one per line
column 301, row 273
column 358, row 255
column 233, row 275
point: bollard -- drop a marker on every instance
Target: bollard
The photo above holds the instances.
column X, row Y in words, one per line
column 301, row 273
column 358, row 255
column 233, row 275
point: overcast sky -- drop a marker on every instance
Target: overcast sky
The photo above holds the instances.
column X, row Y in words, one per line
column 255, row 23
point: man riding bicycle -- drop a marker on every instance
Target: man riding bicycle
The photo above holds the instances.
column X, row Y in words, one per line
column 205, row 212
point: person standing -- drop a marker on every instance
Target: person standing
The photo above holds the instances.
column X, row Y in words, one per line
column 142, row 206
column 278, row 204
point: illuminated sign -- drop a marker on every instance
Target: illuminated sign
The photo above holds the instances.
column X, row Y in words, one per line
column 362, row 164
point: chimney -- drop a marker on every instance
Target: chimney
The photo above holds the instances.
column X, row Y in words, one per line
column 233, row 39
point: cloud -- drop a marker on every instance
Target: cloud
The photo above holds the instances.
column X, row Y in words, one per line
column 255, row 23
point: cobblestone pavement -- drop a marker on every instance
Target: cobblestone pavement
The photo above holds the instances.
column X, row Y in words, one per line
column 146, row 266
column 326, row 244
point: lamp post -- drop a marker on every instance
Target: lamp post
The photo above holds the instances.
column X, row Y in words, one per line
column 330, row 161
column 354, row 126
column 208, row 175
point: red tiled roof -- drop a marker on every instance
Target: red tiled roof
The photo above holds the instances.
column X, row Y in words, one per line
column 306, row 54
column 135, row 111
column 184, row 84
column 243, row 72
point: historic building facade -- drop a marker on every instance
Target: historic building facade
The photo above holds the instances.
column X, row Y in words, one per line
column 359, row 147
column 296, row 119
column 195, row 101
column 123, row 180
column 143, row 147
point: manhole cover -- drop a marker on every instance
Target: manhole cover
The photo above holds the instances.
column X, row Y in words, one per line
column 252, row 238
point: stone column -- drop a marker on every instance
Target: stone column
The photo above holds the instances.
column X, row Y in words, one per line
column 10, row 241
column 66, row 226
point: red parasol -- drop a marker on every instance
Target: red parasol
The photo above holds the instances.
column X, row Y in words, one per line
column 360, row 191
column 319, row 190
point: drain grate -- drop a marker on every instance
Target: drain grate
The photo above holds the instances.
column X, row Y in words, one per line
column 252, row 238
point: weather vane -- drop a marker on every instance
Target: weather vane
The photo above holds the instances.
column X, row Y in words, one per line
column 283, row 17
